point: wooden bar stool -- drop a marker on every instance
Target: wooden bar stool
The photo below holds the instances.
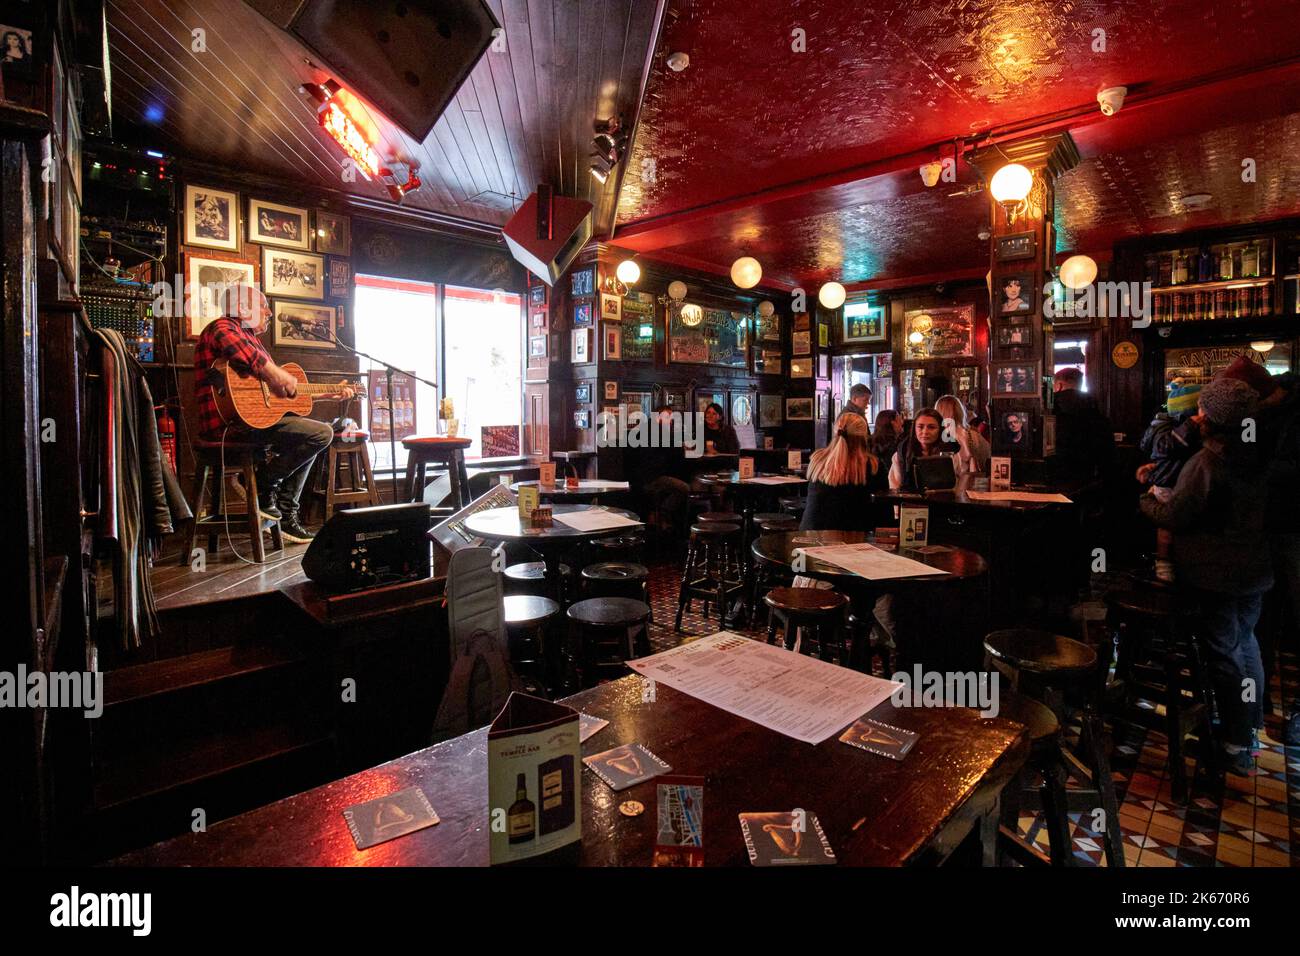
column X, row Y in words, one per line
column 619, row 547
column 526, row 617
column 712, row 571
column 817, row 612
column 529, row 577
column 213, row 460
column 1045, row 761
column 617, row 579
column 865, row 646
column 793, row 506
column 606, row 632
column 448, row 452
column 1055, row 670
column 345, row 476
column 770, row 521
column 1159, row 660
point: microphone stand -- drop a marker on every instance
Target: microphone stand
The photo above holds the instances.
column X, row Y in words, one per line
column 388, row 376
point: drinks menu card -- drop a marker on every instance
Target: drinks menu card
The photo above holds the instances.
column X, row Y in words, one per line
column 534, row 780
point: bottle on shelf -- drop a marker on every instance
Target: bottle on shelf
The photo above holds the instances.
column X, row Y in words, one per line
column 521, row 823
column 1180, row 268
column 1166, row 270
column 1225, row 263
column 1264, row 300
column 1151, row 269
column 1250, row 260
column 1204, row 265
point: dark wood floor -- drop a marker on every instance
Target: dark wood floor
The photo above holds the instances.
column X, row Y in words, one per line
column 225, row 576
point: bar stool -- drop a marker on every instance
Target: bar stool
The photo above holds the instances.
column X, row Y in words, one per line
column 1053, row 669
column 617, row 579
column 770, row 521
column 712, row 571
column 793, row 506
column 865, row 647
column 1159, row 660
column 526, row 617
column 213, row 460
column 346, row 460
column 1046, row 762
column 817, row 612
column 529, row 578
column 721, row 517
column 606, row 632
column 448, row 452
column 619, row 547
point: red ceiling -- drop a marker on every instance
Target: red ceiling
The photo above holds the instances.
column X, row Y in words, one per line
column 808, row 160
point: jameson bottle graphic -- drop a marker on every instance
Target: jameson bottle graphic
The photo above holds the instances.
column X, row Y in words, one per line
column 521, row 817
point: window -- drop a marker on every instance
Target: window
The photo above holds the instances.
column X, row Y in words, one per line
column 1072, row 354
column 468, row 341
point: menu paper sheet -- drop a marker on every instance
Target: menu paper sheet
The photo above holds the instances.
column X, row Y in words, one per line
column 792, row 694
column 773, row 480
column 869, row 561
column 595, row 520
column 1035, row 496
column 599, row 484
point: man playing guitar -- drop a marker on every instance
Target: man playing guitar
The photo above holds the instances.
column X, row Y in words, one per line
column 295, row 442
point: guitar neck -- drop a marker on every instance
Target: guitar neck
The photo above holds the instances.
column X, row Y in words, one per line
column 304, row 389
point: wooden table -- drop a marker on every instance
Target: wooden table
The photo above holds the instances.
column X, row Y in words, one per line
column 559, row 492
column 875, row 811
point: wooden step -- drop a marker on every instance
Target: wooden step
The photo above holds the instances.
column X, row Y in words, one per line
column 138, row 682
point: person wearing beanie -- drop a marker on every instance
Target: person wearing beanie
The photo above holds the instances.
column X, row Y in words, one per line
column 1252, row 374
column 1173, row 436
column 1217, row 515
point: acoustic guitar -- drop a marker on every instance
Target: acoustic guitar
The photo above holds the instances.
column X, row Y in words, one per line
column 248, row 401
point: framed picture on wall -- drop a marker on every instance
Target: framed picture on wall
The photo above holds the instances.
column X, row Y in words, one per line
column 1049, row 435
column 1015, row 432
column 537, row 346
column 582, row 393
column 298, row 275
column 611, row 307
column 801, row 343
column 206, row 277
column 1014, row 247
column 611, row 391
column 939, row 332
column 211, row 218
column 333, row 234
column 1014, row 294
column 613, row 337
column 537, row 296
column 865, row 323
column 340, row 277
column 581, row 346
column 581, row 314
column 801, row 367
column 799, row 409
column 1010, row 336
column 277, row 225
column 823, row 405
column 1015, row 379
column 303, row 325
column 583, row 281
column 769, row 411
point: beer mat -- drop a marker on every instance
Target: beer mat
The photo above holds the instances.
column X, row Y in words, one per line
column 875, row 737
column 626, row 765
column 680, row 811
column 932, row 549
column 785, row 838
column 589, row 726
column 386, row 818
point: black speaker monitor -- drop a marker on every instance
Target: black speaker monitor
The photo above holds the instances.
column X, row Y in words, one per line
column 367, row 547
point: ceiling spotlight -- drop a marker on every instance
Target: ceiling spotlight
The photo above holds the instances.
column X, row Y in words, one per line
column 628, row 272
column 831, row 295
column 1111, row 99
column 1078, row 272
column 677, row 290
column 1010, row 187
column 746, row 271
column 765, row 309
column 930, row 173
column 678, row 61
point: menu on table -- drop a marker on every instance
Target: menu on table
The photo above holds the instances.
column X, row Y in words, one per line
column 869, row 561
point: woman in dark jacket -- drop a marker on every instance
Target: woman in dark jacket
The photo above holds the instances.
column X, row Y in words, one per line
column 1218, row 518
column 838, row 499
column 925, row 441
column 717, row 431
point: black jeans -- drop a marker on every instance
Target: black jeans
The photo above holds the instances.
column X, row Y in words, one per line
column 1233, row 660
column 295, row 442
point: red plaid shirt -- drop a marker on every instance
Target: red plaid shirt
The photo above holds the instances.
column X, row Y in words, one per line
column 223, row 338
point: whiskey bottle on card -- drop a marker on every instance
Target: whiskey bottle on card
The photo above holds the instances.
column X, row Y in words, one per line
column 521, row 818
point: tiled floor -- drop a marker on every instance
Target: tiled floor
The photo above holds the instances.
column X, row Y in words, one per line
column 1237, row 822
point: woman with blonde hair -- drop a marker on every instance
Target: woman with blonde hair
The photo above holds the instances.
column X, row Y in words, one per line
column 838, row 499
column 973, row 449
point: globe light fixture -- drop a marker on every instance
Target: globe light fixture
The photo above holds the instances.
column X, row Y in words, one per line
column 1010, row 187
column 765, row 309
column 628, row 272
column 1078, row 272
column 1264, row 346
column 746, row 271
column 831, row 295
column 677, row 290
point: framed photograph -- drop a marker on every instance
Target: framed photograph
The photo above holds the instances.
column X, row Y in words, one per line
column 1015, row 379
column 799, row 409
column 613, row 336
column 581, row 314
column 340, row 277
column 581, row 346
column 1015, row 431
column 939, row 332
column 1017, row 246
column 742, row 408
column 277, row 225
column 823, row 365
column 823, row 405
column 582, row 419
column 1049, row 246
column 537, row 296
column 297, row 275
column 611, row 391
column 1014, row 335
column 801, row 367
column 537, row 346
column 211, row 218
column 823, row 335
column 582, row 393
column 865, row 323
column 539, row 320
column 333, row 234
column 801, row 343
column 611, row 307
column 1014, row 294
column 769, row 411
column 303, row 325
column 206, row 278
column 1049, row 435
column 801, row 322
column 583, row 281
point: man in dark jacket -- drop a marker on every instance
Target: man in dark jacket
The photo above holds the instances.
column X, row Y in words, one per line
column 1217, row 515
column 1085, row 441
column 859, row 400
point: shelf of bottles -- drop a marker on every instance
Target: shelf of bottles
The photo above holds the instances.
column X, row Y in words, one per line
column 1211, row 283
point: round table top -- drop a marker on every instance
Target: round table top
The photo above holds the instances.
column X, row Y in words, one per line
column 778, row 549
column 558, row 490
column 504, row 524
column 732, row 480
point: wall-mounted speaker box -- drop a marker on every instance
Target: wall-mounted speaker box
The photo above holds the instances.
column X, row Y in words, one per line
column 408, row 58
column 547, row 232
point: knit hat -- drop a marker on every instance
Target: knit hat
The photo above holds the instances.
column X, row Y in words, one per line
column 1182, row 399
column 1226, row 401
column 1252, row 373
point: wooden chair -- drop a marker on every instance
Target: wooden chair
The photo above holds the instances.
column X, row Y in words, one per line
column 345, row 476
column 213, row 460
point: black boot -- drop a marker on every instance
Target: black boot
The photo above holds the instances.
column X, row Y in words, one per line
column 266, row 501
column 293, row 530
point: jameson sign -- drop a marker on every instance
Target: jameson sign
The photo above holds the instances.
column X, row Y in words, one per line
column 1220, row 357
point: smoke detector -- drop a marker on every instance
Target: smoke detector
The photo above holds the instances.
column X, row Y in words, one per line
column 678, row 61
